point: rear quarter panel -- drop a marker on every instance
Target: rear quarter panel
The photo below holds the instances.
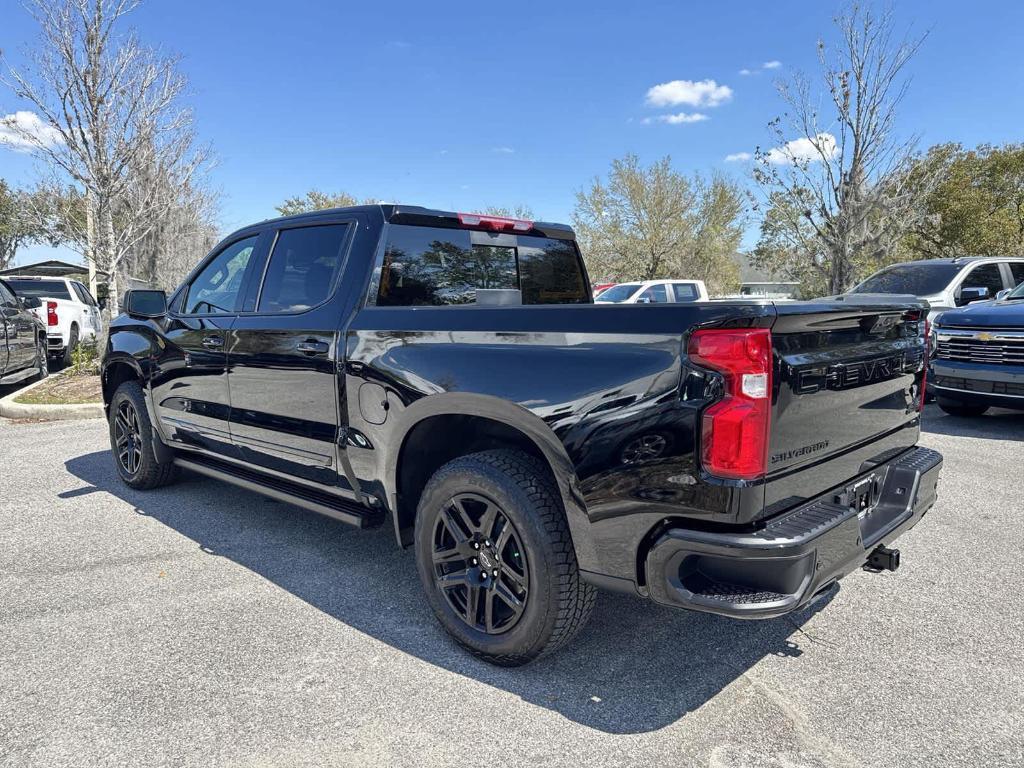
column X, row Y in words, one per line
column 583, row 381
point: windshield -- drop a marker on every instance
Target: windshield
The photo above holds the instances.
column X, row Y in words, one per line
column 921, row 279
column 619, row 292
column 41, row 289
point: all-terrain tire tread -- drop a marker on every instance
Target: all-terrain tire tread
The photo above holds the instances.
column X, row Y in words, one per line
column 576, row 598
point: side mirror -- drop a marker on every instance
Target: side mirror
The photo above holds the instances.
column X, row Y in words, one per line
column 1003, row 294
column 145, row 303
column 644, row 300
column 31, row 302
column 967, row 295
column 102, row 303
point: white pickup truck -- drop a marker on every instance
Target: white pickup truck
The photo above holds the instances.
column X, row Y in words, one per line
column 68, row 310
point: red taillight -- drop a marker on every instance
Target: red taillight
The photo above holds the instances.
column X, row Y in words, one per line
column 734, row 433
column 496, row 223
column 927, row 359
column 51, row 313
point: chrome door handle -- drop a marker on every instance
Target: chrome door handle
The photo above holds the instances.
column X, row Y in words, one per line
column 213, row 342
column 311, row 347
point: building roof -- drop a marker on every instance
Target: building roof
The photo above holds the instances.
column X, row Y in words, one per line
column 50, row 268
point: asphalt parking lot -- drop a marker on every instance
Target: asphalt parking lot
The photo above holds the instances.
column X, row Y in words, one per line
column 200, row 624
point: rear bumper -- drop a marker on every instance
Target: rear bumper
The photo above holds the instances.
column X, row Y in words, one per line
column 978, row 383
column 779, row 568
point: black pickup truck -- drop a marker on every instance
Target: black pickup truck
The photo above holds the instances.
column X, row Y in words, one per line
column 448, row 374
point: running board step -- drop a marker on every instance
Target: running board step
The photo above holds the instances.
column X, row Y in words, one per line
column 300, row 495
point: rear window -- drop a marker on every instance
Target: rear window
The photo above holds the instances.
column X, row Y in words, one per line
column 49, row 289
column 685, row 292
column 432, row 266
column 916, row 279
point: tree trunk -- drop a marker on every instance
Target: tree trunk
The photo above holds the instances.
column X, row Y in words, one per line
column 90, row 239
column 108, row 258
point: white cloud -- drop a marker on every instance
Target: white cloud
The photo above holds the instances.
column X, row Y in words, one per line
column 24, row 131
column 747, row 72
column 804, row 150
column 503, row 150
column 701, row 93
column 677, row 119
column 738, row 157
column 773, row 64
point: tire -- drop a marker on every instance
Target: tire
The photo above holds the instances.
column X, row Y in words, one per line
column 42, row 360
column 525, row 540
column 131, row 440
column 955, row 408
column 72, row 344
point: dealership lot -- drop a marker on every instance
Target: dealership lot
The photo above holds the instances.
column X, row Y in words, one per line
column 203, row 624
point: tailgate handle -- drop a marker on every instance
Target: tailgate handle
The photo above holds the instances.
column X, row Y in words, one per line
column 213, row 342
column 312, row 347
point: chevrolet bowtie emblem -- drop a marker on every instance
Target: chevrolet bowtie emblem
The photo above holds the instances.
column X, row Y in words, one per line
column 985, row 337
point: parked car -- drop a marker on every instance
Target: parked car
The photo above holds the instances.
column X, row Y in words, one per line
column 68, row 310
column 979, row 356
column 599, row 288
column 946, row 283
column 22, row 338
column 654, row 292
column 448, row 375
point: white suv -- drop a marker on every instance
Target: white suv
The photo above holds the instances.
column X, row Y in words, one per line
column 68, row 310
column 947, row 283
column 654, row 292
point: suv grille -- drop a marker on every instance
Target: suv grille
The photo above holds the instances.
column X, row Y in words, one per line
column 980, row 346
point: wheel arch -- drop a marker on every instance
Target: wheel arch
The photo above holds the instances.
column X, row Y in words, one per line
column 117, row 369
column 439, row 428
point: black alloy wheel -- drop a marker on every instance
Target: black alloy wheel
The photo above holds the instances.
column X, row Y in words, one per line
column 128, row 437
column 479, row 563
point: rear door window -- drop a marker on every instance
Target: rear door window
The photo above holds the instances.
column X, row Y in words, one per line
column 685, row 292
column 434, row 266
column 303, row 268
column 1017, row 270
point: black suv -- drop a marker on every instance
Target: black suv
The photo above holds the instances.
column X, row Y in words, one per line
column 449, row 376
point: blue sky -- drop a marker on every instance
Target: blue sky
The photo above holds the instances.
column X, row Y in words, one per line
column 461, row 106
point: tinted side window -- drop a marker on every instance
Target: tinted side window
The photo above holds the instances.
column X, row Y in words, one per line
column 436, row 266
column 1017, row 270
column 985, row 276
column 549, row 271
column 302, row 268
column 656, row 294
column 6, row 297
column 214, row 291
column 80, row 293
column 684, row 292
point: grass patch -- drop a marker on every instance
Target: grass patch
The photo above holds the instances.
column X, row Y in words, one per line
column 66, row 388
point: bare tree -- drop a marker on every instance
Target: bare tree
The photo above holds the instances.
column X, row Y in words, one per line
column 840, row 193
column 111, row 106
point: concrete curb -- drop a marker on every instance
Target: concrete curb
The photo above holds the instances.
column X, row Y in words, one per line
column 38, row 412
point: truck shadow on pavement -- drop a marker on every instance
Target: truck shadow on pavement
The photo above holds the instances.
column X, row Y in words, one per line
column 635, row 668
column 997, row 424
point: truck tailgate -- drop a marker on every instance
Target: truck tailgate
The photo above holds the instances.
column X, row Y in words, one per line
column 847, row 393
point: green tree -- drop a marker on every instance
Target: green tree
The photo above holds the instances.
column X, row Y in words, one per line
column 977, row 208
column 646, row 223
column 315, row 200
column 16, row 226
column 515, row 212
